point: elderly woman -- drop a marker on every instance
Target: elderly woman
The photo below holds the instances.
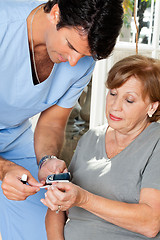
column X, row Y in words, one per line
column 115, row 192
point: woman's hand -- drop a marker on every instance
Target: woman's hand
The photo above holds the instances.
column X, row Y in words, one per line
column 63, row 196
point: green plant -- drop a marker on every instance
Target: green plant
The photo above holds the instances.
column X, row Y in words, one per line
column 128, row 6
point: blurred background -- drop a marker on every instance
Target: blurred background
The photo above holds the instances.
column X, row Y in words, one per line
column 140, row 35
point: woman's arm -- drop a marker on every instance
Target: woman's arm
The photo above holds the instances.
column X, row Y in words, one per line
column 55, row 225
column 143, row 218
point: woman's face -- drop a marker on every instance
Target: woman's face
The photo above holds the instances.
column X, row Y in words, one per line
column 126, row 111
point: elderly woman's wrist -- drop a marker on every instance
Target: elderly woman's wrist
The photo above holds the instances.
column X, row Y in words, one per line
column 84, row 198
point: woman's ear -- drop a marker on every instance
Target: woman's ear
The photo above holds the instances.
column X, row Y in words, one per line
column 153, row 108
column 54, row 14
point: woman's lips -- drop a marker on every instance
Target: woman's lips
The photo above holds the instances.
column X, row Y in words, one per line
column 114, row 118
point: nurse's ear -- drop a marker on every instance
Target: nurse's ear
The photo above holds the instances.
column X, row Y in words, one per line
column 54, row 14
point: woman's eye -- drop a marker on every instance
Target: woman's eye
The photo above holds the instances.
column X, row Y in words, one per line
column 129, row 101
column 112, row 93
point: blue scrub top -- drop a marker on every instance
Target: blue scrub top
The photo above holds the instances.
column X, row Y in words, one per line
column 20, row 99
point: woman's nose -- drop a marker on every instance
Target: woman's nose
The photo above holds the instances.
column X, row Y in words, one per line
column 117, row 104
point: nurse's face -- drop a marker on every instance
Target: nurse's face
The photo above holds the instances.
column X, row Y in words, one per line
column 65, row 44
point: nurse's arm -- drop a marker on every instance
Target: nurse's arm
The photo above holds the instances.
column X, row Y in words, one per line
column 49, row 138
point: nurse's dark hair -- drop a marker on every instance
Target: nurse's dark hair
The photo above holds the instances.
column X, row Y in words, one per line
column 144, row 69
column 101, row 20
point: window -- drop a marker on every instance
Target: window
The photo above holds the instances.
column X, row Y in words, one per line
column 147, row 15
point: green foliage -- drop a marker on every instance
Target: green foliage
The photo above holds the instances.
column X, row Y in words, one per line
column 129, row 9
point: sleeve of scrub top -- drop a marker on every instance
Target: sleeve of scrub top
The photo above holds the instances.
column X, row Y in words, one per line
column 70, row 98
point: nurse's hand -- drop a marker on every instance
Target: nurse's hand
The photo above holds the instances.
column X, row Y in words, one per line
column 51, row 166
column 12, row 186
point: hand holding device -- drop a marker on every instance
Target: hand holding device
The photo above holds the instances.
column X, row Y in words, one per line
column 50, row 166
column 12, row 185
column 61, row 177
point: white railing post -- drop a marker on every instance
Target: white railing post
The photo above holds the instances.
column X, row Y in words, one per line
column 98, row 96
column 156, row 30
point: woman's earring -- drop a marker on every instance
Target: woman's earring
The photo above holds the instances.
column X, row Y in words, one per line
column 150, row 115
